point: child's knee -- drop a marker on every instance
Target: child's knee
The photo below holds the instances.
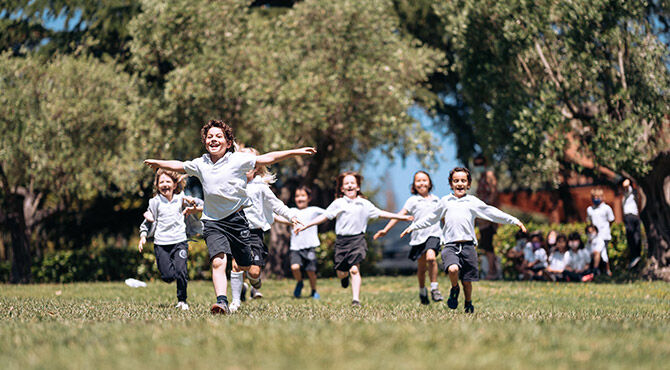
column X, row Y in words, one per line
column 430, row 258
column 167, row 279
column 295, row 267
column 219, row 262
column 453, row 268
column 353, row 270
column 254, row 272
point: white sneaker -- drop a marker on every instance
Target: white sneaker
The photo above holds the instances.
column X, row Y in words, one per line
column 234, row 306
column 255, row 293
column 182, row 305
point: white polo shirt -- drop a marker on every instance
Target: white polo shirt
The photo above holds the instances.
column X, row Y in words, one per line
column 308, row 238
column 421, row 207
column 601, row 216
column 223, row 183
column 352, row 215
column 265, row 204
column 558, row 261
column 459, row 217
column 578, row 259
column 629, row 204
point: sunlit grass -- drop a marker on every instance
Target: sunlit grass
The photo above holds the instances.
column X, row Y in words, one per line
column 516, row 325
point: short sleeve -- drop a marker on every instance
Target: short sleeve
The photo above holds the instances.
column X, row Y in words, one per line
column 333, row 210
column 244, row 161
column 610, row 214
column 373, row 211
column 191, row 167
column 409, row 205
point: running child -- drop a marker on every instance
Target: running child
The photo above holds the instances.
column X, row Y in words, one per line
column 260, row 216
column 352, row 213
column 222, row 172
column 164, row 220
column 303, row 245
column 425, row 243
column 459, row 211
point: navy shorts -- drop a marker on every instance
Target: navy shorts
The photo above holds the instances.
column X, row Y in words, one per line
column 463, row 255
column 231, row 236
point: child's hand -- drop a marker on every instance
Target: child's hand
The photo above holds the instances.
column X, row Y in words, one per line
column 190, row 210
column 153, row 163
column 308, row 150
column 141, row 244
column 296, row 223
column 406, row 231
column 148, row 216
column 523, row 228
column 379, row 234
column 408, row 218
column 298, row 229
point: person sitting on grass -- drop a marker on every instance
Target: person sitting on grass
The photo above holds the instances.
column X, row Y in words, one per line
column 577, row 268
column 558, row 259
column 459, row 211
column 535, row 257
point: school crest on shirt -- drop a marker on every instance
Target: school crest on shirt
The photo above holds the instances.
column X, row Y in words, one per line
column 182, row 254
column 245, row 233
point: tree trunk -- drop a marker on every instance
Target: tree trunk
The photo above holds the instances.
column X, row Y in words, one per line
column 16, row 223
column 656, row 217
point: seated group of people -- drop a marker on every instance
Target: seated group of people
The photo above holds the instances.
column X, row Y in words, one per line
column 561, row 257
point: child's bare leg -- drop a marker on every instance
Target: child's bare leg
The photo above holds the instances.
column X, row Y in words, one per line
column 355, row 282
column 596, row 260
column 467, row 290
column 421, row 271
column 235, row 267
column 312, row 279
column 432, row 265
column 453, row 275
column 219, row 274
column 297, row 274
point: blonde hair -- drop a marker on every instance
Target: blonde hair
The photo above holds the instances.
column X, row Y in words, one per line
column 262, row 171
column 178, row 179
column 597, row 192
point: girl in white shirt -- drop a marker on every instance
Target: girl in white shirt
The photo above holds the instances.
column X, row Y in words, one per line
column 459, row 211
column 425, row 243
column 164, row 220
column 558, row 259
column 352, row 213
column 577, row 268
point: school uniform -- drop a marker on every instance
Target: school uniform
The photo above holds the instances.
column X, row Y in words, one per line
column 170, row 239
column 303, row 246
column 423, row 239
column 352, row 216
column 577, row 261
column 601, row 216
column 261, row 216
column 598, row 245
column 458, row 233
column 226, row 229
column 631, row 220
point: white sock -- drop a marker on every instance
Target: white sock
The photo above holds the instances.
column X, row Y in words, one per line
column 433, row 285
column 236, row 280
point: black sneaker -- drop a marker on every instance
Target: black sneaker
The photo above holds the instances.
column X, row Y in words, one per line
column 452, row 302
column 423, row 296
column 345, row 282
column 469, row 308
column 220, row 309
column 437, row 296
column 355, row 303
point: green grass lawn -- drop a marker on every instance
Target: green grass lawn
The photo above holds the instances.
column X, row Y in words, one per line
column 516, row 325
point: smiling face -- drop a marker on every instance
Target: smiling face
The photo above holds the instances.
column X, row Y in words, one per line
column 166, row 186
column 216, row 143
column 301, row 199
column 460, row 184
column 422, row 184
column 350, row 187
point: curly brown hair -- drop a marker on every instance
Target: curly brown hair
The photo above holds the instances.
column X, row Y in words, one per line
column 176, row 178
column 340, row 180
column 227, row 133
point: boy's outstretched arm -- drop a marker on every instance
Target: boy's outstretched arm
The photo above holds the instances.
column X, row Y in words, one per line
column 388, row 226
column 177, row 166
column 274, row 157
